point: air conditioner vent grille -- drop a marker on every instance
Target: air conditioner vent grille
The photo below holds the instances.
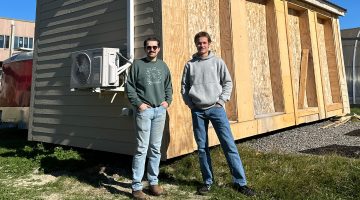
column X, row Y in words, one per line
column 82, row 68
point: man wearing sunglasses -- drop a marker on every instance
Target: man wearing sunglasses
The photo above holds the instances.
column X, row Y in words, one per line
column 206, row 85
column 149, row 90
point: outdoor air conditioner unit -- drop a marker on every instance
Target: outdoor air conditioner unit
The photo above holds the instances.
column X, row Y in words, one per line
column 95, row 68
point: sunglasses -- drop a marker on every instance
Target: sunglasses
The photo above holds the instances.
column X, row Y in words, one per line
column 151, row 47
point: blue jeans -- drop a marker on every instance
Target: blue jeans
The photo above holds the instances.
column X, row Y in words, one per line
column 217, row 117
column 149, row 131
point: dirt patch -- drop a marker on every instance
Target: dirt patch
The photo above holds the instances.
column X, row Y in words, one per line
column 34, row 180
column 52, row 197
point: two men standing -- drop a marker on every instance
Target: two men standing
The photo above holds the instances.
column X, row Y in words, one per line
column 206, row 85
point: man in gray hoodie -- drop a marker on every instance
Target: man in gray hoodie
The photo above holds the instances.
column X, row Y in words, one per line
column 206, row 85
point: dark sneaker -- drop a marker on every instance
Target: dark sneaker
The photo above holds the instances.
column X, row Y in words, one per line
column 245, row 190
column 204, row 189
column 156, row 190
column 139, row 195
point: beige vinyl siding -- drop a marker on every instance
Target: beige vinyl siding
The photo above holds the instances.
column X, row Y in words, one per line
column 82, row 118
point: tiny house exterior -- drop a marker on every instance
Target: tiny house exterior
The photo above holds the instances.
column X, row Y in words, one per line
column 284, row 57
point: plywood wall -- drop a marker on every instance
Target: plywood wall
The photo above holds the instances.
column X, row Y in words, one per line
column 277, row 83
column 324, row 62
column 203, row 15
column 227, row 54
column 181, row 21
column 259, row 57
column 301, row 59
column 295, row 49
column 332, row 63
column 251, row 36
column 342, row 74
column 175, row 32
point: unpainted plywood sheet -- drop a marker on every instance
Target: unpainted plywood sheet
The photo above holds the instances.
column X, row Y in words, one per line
column 203, row 15
column 180, row 138
column 323, row 62
column 259, row 57
column 295, row 48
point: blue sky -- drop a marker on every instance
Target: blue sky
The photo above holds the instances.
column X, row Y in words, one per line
column 25, row 9
column 18, row 9
column 352, row 16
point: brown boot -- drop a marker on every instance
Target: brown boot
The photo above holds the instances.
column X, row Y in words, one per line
column 139, row 195
column 156, row 190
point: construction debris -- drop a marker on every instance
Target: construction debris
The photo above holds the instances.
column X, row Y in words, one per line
column 340, row 120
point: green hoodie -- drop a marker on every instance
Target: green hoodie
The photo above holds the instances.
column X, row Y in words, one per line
column 149, row 82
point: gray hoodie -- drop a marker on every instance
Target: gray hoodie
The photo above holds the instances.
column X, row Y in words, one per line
column 205, row 82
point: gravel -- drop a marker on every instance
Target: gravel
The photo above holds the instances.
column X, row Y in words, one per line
column 310, row 138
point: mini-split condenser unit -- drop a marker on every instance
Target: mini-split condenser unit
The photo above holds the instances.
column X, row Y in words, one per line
column 95, row 68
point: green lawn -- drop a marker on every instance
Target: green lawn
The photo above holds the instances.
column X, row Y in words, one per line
column 31, row 170
column 355, row 109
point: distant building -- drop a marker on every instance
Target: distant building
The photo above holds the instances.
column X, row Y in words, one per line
column 15, row 35
column 351, row 49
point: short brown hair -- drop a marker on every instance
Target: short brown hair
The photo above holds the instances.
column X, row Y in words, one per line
column 202, row 34
column 151, row 39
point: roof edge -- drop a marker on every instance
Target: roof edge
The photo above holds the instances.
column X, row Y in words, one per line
column 327, row 5
column 21, row 20
column 19, row 57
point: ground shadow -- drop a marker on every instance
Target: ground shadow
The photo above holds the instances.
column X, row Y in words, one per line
column 13, row 133
column 355, row 133
column 341, row 150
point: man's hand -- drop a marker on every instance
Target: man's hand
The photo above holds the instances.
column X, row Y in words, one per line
column 164, row 104
column 143, row 107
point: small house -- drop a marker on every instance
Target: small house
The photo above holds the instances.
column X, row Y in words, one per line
column 284, row 56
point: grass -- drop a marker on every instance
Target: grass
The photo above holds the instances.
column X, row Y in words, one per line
column 276, row 176
column 31, row 170
column 355, row 109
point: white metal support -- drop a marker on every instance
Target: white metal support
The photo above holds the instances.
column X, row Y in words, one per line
column 354, row 68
